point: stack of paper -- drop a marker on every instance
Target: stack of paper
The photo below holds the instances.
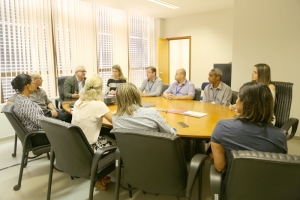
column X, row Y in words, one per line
column 194, row 114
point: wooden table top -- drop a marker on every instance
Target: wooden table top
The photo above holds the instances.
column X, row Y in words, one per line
column 198, row 127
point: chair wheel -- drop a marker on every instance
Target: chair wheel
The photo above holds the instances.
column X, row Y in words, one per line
column 13, row 155
column 17, row 187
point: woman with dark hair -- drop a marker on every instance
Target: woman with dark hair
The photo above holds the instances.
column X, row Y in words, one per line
column 117, row 77
column 262, row 74
column 251, row 129
column 26, row 110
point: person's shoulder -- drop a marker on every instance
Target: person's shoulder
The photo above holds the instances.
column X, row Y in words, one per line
column 224, row 85
column 272, row 87
column 159, row 79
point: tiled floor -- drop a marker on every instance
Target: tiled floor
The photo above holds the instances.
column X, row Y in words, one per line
column 35, row 179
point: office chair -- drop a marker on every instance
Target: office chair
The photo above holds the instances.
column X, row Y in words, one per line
column 282, row 108
column 204, row 84
column 164, row 88
column 73, row 154
column 154, row 163
column 258, row 175
column 29, row 140
column 60, row 84
column 234, row 97
column 197, row 94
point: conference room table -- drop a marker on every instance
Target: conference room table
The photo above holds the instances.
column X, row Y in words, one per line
column 199, row 128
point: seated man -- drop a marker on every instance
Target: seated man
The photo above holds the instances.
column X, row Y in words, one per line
column 74, row 84
column 151, row 86
column 181, row 88
column 40, row 97
column 217, row 91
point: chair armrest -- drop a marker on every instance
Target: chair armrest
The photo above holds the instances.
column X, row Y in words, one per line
column 97, row 156
column 292, row 122
column 195, row 164
column 57, row 102
column 215, row 183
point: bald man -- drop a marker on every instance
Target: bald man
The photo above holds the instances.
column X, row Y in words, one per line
column 40, row 97
column 181, row 88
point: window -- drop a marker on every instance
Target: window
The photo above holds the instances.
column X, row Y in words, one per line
column 140, row 47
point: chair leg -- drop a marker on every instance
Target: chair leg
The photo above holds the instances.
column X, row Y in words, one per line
column 92, row 185
column 52, row 158
column 130, row 190
column 15, row 147
column 23, row 164
column 118, row 174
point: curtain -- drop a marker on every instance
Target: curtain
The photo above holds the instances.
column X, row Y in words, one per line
column 75, row 38
column 25, row 42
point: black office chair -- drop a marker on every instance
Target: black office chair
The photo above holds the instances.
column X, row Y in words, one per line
column 197, row 94
column 154, row 163
column 258, row 175
column 164, row 88
column 234, row 97
column 283, row 102
column 74, row 155
column 31, row 141
column 60, row 84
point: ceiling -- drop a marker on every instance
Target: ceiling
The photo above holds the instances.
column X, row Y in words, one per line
column 187, row 7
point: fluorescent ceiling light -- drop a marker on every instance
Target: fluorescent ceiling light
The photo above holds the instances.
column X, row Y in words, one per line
column 164, row 4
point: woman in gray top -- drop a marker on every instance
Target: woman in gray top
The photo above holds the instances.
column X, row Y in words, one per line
column 131, row 115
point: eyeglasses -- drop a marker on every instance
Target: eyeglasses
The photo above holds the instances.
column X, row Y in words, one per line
column 83, row 71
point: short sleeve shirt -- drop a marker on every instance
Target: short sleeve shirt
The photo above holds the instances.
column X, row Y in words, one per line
column 187, row 88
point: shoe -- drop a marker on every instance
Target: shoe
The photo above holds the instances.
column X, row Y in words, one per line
column 106, row 179
column 100, row 185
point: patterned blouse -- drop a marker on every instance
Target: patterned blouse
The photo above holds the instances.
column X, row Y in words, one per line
column 28, row 112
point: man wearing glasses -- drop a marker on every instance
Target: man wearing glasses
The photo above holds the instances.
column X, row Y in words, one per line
column 74, row 84
column 40, row 97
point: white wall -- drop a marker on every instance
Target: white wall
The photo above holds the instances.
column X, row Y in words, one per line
column 268, row 31
column 211, row 40
column 7, row 131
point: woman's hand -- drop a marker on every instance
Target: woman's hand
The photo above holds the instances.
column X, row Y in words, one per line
column 232, row 107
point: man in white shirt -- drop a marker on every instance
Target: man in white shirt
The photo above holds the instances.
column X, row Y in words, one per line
column 152, row 86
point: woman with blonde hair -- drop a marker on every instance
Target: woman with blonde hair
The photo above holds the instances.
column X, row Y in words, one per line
column 132, row 115
column 116, row 78
column 88, row 113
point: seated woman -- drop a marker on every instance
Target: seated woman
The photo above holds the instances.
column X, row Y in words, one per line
column 251, row 129
column 26, row 110
column 131, row 115
column 117, row 78
column 262, row 74
column 88, row 113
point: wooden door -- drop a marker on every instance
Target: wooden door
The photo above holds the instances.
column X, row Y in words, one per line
column 163, row 60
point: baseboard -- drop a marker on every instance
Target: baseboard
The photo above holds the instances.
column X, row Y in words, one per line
column 296, row 137
column 7, row 138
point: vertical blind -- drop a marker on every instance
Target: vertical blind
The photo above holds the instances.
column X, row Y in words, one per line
column 25, row 42
column 53, row 37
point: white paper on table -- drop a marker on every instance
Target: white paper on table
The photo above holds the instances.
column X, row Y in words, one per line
column 194, row 114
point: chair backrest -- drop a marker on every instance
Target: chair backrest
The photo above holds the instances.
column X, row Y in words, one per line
column 73, row 153
column 261, row 175
column 283, row 102
column 153, row 162
column 234, row 97
column 204, row 84
column 197, row 94
column 164, row 88
column 20, row 130
column 60, row 84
